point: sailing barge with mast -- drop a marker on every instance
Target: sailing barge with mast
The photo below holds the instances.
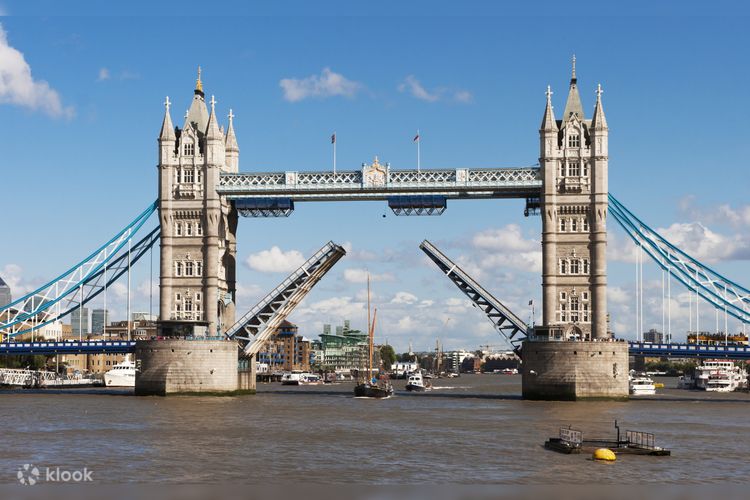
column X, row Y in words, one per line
column 369, row 386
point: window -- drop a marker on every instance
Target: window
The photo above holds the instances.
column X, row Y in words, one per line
column 586, row 312
column 574, row 309
column 188, row 304
column 574, row 266
column 574, row 141
column 188, row 268
column 189, row 149
column 189, row 176
column 563, row 312
column 585, row 295
column 562, row 224
column 563, row 296
column 198, row 176
column 178, row 228
column 189, row 229
column 585, row 169
column 574, row 169
column 574, row 225
column 563, row 266
column 585, row 224
column 585, row 266
column 198, row 272
column 562, row 170
column 178, row 297
column 178, row 268
column 199, row 228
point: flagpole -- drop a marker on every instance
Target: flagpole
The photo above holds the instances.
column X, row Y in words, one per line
column 334, row 152
column 419, row 139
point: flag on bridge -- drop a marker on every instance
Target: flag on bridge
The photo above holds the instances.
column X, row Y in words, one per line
column 416, row 137
column 531, row 302
column 333, row 138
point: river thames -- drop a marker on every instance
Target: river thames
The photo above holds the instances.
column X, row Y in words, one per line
column 470, row 430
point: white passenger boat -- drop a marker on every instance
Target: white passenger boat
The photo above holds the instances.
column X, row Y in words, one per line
column 121, row 375
column 641, row 385
column 719, row 376
column 298, row 377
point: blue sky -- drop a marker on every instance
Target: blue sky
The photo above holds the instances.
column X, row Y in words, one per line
column 79, row 152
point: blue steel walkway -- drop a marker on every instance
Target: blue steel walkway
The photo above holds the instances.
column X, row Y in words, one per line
column 123, row 346
column 689, row 350
column 68, row 347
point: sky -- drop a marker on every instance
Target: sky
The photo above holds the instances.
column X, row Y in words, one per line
column 81, row 93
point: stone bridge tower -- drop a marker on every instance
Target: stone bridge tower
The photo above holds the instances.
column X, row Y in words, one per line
column 573, row 160
column 198, row 227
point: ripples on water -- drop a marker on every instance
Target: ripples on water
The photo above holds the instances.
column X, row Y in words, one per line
column 471, row 430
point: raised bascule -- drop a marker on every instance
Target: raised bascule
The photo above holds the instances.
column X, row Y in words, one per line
column 203, row 348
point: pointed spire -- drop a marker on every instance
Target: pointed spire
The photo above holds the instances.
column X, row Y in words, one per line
column 573, row 104
column 212, row 131
column 599, row 121
column 231, row 140
column 167, row 129
column 199, row 83
column 548, row 122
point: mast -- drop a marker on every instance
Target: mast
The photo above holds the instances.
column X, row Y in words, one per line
column 369, row 331
column 372, row 335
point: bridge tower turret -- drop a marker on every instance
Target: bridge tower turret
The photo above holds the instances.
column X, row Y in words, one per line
column 198, row 226
column 573, row 160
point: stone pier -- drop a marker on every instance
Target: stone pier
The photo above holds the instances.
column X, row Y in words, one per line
column 177, row 366
column 567, row 370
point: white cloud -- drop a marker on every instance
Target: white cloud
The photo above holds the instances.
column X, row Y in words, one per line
column 507, row 248
column 404, row 298
column 360, row 276
column 103, row 75
column 617, row 295
column 703, row 244
column 18, row 87
column 416, row 89
column 275, row 260
column 327, row 84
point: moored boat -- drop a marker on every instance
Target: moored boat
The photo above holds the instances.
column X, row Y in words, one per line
column 641, row 385
column 121, row 375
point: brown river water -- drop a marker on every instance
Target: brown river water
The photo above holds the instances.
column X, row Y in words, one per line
column 470, row 430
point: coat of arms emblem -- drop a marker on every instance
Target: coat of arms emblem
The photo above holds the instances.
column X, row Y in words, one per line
column 375, row 174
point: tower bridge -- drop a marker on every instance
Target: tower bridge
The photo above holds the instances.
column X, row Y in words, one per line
column 202, row 193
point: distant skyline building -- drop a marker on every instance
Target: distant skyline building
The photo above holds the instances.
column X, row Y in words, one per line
column 79, row 321
column 6, row 296
column 99, row 318
column 142, row 316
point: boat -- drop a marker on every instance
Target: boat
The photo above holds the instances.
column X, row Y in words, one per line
column 310, row 379
column 293, row 377
column 370, row 386
column 719, row 376
column 121, row 375
column 509, row 371
column 642, row 385
column 416, row 383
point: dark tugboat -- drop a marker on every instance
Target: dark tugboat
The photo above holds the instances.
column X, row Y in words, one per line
column 369, row 386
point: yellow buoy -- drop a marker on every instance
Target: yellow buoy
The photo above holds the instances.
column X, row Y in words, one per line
column 604, row 454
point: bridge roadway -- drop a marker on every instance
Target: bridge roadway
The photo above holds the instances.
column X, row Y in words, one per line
column 378, row 182
column 124, row 346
